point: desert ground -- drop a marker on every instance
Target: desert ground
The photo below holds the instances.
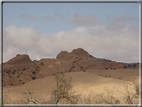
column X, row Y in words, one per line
column 84, row 84
column 93, row 79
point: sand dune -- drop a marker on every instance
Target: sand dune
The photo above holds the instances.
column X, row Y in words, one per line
column 84, row 83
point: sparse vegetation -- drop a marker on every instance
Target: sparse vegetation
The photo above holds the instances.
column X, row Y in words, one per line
column 24, row 69
column 34, row 72
column 63, row 90
column 91, row 98
column 63, row 94
column 29, row 98
column 109, row 99
column 125, row 66
column 128, row 96
column 33, row 78
column 41, row 63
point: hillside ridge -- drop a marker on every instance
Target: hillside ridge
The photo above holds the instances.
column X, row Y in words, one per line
column 21, row 69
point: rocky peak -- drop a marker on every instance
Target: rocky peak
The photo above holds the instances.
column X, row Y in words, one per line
column 62, row 54
column 20, row 59
column 74, row 55
column 80, row 52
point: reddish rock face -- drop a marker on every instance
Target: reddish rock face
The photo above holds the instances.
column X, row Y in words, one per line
column 20, row 59
column 21, row 69
column 80, row 52
column 15, row 69
column 76, row 54
column 62, row 54
column 20, row 62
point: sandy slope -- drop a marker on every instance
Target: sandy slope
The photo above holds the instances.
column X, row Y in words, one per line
column 122, row 74
column 84, row 83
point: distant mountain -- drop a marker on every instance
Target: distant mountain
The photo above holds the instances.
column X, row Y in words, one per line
column 21, row 69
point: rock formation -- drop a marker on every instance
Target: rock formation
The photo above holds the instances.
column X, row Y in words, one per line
column 21, row 69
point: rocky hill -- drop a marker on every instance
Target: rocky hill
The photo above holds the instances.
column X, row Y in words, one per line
column 21, row 69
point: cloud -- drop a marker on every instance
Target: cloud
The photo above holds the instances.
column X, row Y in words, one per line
column 98, row 40
column 27, row 17
column 49, row 18
column 121, row 21
column 64, row 17
column 55, row 17
column 81, row 20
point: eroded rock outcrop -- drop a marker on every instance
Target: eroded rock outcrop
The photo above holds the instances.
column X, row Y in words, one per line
column 21, row 69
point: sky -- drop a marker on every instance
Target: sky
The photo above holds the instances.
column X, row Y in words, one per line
column 43, row 30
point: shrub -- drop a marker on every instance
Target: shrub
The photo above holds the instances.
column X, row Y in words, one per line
column 129, row 97
column 134, row 65
column 129, row 65
column 24, row 69
column 63, row 90
column 91, row 98
column 109, row 98
column 41, row 63
column 125, row 66
column 34, row 72
column 30, row 99
column 33, row 78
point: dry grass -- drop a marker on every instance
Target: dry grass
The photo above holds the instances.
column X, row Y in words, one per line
column 67, row 96
column 84, row 82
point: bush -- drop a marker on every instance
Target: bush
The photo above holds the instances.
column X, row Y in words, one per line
column 63, row 90
column 128, row 96
column 125, row 66
column 33, row 78
column 24, row 69
column 29, row 97
column 34, row 72
column 91, row 98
